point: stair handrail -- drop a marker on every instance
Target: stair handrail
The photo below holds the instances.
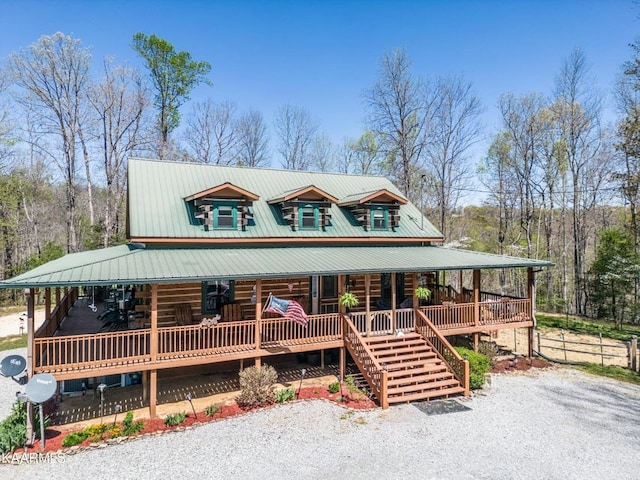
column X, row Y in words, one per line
column 458, row 365
column 377, row 376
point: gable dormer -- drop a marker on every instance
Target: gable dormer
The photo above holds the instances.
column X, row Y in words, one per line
column 377, row 210
column 305, row 208
column 223, row 207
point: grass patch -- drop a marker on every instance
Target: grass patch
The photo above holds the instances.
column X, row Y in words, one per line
column 611, row 371
column 588, row 326
column 13, row 341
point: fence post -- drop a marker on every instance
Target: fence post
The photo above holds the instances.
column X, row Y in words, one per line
column 634, row 353
column 601, row 351
column 539, row 345
column 564, row 345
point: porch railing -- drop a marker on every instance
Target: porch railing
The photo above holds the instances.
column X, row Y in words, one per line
column 381, row 321
column 91, row 351
column 451, row 316
column 376, row 377
column 458, row 365
column 195, row 340
column 284, row 332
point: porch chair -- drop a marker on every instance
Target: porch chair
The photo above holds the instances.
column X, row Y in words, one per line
column 232, row 311
column 183, row 314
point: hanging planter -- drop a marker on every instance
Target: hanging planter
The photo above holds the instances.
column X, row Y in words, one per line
column 349, row 300
column 423, row 293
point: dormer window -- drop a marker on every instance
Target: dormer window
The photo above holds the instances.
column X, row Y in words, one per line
column 225, row 207
column 225, row 215
column 379, row 218
column 377, row 210
column 308, row 217
column 305, row 208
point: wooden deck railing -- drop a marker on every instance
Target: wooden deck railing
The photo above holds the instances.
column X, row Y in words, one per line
column 133, row 346
column 196, row 340
column 458, row 365
column 505, row 311
column 450, row 316
column 91, row 351
column 284, row 332
column 372, row 371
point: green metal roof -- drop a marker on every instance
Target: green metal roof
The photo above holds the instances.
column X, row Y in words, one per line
column 139, row 264
column 157, row 206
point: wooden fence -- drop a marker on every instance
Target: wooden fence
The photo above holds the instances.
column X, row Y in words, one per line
column 574, row 351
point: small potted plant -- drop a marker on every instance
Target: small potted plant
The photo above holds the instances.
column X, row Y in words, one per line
column 423, row 294
column 349, row 300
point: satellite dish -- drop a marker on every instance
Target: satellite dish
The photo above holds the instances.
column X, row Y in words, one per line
column 41, row 388
column 13, row 365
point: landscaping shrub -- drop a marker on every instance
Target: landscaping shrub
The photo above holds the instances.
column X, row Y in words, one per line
column 211, row 410
column 174, row 419
column 334, row 387
column 129, row 427
column 13, row 429
column 479, row 365
column 285, row 395
column 257, row 386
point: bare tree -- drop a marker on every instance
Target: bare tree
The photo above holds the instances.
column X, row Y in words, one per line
column 295, row 130
column 210, row 134
column 398, row 113
column 252, row 144
column 119, row 103
column 577, row 109
column 455, row 128
column 322, row 156
column 53, row 73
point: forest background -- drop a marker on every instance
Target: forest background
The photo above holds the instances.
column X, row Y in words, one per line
column 557, row 182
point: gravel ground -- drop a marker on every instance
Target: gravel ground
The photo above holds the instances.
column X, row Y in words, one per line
column 554, row 424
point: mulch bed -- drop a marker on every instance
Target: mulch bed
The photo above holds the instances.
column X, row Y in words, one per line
column 55, row 435
column 519, row 364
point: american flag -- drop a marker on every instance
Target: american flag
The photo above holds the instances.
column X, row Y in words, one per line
column 287, row 308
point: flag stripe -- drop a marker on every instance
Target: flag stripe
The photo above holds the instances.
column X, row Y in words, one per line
column 289, row 309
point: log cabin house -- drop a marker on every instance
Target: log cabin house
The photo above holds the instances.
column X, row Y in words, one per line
column 212, row 242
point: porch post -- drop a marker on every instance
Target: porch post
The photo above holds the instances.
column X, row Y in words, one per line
column 47, row 305
column 476, row 308
column 414, row 283
column 367, row 302
column 258, row 319
column 153, row 390
column 531, row 294
column 342, row 310
column 153, row 339
column 30, row 294
column 393, row 302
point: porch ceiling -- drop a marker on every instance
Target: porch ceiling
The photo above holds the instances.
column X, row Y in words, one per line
column 140, row 264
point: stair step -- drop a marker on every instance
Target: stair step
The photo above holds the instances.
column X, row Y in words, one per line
column 408, row 364
column 397, row 345
column 445, row 392
column 423, row 378
column 391, row 338
column 428, row 386
column 404, row 356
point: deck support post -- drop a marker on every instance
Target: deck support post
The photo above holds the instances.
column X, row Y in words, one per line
column 153, row 391
column 343, row 362
column 322, row 358
column 367, row 302
column 30, row 294
column 476, row 307
column 531, row 294
column 393, row 302
column 145, row 386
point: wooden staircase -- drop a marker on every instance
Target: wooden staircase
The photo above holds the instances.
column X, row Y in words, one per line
column 415, row 371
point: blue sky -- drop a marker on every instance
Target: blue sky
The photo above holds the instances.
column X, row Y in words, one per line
column 322, row 55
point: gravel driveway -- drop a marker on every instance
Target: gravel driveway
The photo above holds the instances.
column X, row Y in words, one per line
column 555, row 424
